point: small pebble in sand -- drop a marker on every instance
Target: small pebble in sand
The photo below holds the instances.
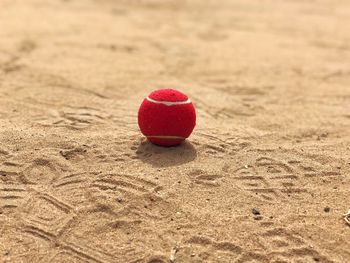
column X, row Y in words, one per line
column 255, row 211
column 256, row 214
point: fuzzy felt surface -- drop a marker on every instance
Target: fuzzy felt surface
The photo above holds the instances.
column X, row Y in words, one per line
column 165, row 142
column 163, row 120
column 168, row 95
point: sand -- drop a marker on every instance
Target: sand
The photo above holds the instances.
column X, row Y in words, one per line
column 263, row 178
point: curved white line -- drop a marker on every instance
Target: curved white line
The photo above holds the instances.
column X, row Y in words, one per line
column 167, row 137
column 169, row 103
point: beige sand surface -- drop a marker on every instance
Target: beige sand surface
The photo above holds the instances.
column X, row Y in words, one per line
column 271, row 83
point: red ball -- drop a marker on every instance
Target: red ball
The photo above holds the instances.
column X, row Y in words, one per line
column 167, row 117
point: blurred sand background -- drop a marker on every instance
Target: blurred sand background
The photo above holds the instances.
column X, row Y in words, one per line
column 270, row 80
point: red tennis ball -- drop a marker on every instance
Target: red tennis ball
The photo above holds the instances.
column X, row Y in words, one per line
column 167, row 117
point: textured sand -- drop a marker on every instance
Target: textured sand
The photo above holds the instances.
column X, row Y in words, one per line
column 271, row 83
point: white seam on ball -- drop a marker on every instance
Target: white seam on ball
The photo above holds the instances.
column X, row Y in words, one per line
column 167, row 137
column 169, row 103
